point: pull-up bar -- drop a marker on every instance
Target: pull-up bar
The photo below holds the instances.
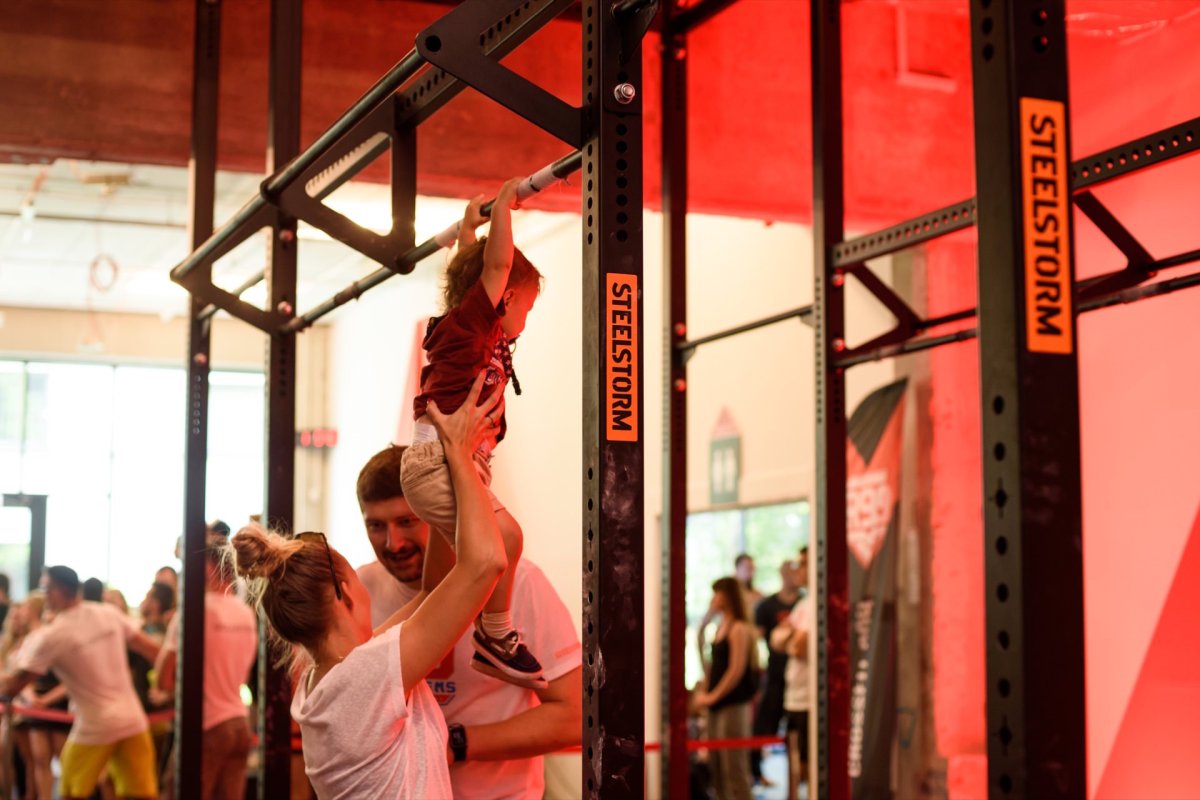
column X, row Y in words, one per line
column 542, row 179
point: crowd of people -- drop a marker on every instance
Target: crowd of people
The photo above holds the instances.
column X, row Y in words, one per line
column 739, row 697
column 464, row 654
column 432, row 636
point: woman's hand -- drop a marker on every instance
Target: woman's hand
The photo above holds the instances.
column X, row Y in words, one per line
column 471, row 423
column 703, row 699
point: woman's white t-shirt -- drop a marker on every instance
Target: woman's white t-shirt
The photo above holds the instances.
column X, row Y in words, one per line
column 361, row 739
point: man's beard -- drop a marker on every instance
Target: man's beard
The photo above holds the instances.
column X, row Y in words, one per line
column 405, row 566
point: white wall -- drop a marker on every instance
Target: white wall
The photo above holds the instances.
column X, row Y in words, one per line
column 740, row 270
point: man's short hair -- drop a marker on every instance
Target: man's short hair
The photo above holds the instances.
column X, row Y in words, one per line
column 219, row 527
column 64, row 578
column 379, row 479
column 93, row 589
column 737, row 562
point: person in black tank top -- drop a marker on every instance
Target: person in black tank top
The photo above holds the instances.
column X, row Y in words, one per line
column 733, row 680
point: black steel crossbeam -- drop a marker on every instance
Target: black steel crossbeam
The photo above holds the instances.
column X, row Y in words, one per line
column 372, row 99
column 455, row 43
column 697, row 14
column 303, row 198
column 1112, row 294
column 436, row 86
column 241, row 289
column 240, row 225
column 1148, row 151
column 1106, row 300
column 1138, row 259
column 905, row 234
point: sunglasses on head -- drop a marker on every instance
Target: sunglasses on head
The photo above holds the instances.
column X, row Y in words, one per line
column 314, row 536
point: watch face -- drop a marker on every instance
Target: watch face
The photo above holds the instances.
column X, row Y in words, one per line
column 458, row 742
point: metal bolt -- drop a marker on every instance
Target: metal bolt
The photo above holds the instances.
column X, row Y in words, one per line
column 287, row 235
column 200, row 358
column 285, row 308
column 624, row 92
column 680, row 384
column 839, row 279
column 680, row 329
column 839, row 345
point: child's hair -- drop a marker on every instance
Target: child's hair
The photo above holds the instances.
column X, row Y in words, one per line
column 289, row 580
column 464, row 270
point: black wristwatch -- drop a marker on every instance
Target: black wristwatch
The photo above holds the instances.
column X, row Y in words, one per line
column 458, row 742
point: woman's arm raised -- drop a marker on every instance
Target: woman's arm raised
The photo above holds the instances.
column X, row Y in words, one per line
column 436, row 626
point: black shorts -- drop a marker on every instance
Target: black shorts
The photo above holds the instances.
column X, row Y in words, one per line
column 797, row 722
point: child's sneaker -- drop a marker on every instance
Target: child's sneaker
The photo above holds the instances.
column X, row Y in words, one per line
column 507, row 659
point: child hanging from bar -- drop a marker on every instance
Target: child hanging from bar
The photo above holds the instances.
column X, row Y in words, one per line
column 489, row 290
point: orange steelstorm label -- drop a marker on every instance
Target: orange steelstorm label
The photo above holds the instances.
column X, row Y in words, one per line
column 1045, row 190
column 621, row 373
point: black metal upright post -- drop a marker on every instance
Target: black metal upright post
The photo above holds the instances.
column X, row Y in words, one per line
column 613, row 557
column 1031, row 472
column 674, row 535
column 832, row 703
column 283, row 144
column 202, row 177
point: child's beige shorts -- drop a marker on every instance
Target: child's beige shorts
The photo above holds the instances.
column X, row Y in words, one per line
column 428, row 489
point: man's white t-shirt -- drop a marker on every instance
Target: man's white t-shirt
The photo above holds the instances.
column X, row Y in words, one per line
column 85, row 645
column 388, row 595
column 795, row 693
column 360, row 737
column 230, row 644
column 472, row 698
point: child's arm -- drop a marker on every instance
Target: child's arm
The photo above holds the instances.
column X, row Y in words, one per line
column 498, row 252
column 471, row 220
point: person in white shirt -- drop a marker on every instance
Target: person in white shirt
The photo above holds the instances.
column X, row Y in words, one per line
column 499, row 731
column 791, row 636
column 230, row 645
column 370, row 725
column 397, row 535
column 86, row 646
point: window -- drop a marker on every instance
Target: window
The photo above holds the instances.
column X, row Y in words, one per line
column 770, row 534
column 105, row 443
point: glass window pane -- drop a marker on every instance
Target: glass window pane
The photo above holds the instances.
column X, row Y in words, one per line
column 714, row 539
column 68, row 456
column 774, row 534
column 235, row 446
column 12, row 424
column 69, row 430
column 15, row 529
column 147, row 475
